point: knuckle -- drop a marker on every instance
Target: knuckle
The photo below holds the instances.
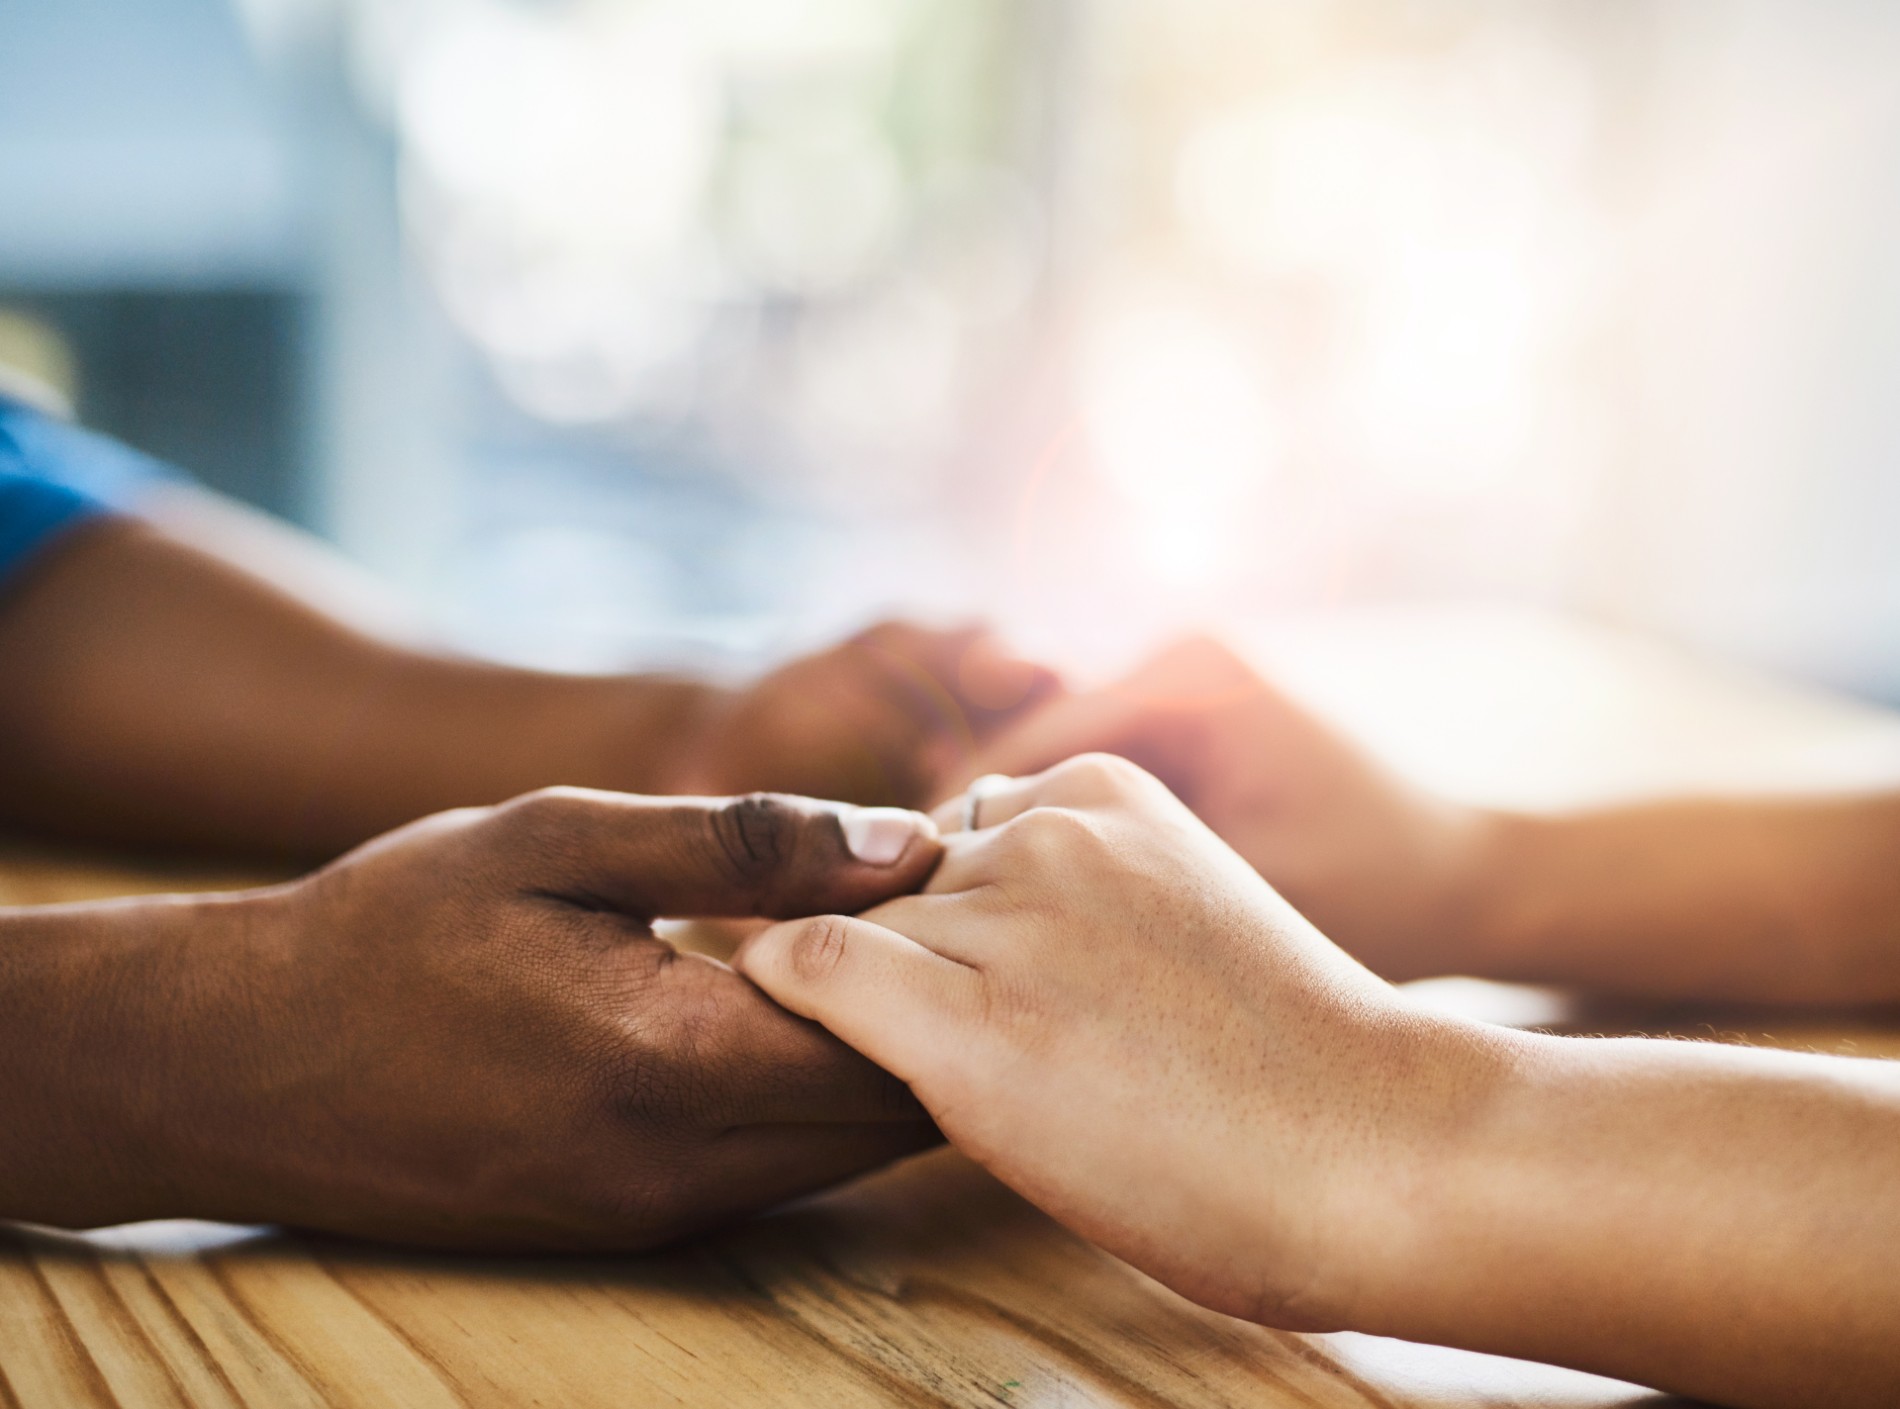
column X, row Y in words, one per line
column 539, row 813
column 1014, row 1006
column 1050, row 836
column 754, row 837
column 456, row 837
column 533, row 833
column 443, row 824
column 1108, row 774
column 555, row 800
column 818, row 948
column 1096, row 779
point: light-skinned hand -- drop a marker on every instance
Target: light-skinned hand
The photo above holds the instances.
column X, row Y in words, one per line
column 1112, row 1012
column 1109, row 1009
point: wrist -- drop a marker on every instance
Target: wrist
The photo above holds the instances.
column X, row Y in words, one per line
column 104, row 1095
column 1432, row 1138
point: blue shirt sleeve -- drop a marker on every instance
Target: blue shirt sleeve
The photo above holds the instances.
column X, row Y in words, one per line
column 55, row 476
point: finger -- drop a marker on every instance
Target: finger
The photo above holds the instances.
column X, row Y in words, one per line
column 763, row 1064
column 1063, row 796
column 950, row 922
column 752, row 1168
column 761, row 855
column 966, row 813
column 891, row 998
column 1087, row 780
column 949, row 814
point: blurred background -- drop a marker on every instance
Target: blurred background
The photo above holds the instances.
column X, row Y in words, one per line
column 697, row 331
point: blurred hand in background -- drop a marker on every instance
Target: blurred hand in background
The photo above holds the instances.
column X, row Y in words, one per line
column 166, row 685
column 1786, row 900
column 885, row 717
column 1382, row 866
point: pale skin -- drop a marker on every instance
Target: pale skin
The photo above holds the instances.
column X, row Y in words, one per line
column 1784, row 900
column 1108, row 1007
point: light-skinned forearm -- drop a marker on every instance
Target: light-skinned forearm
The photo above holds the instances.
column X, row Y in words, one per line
column 1791, row 900
column 1716, row 1221
column 155, row 693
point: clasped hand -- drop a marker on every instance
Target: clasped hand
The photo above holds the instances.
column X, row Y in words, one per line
column 465, row 1033
column 1108, row 1008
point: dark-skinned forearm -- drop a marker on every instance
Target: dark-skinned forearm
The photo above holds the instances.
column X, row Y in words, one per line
column 157, row 694
column 103, row 1001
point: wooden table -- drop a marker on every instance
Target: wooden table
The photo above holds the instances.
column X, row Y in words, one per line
column 929, row 1283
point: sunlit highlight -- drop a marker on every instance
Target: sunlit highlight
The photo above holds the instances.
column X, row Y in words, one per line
column 1178, row 423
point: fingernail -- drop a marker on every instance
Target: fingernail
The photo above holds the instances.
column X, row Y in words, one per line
column 877, row 836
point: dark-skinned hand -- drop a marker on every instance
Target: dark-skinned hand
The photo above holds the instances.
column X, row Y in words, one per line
column 463, row 1034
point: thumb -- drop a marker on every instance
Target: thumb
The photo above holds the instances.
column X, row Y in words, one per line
column 902, row 1005
column 761, row 855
